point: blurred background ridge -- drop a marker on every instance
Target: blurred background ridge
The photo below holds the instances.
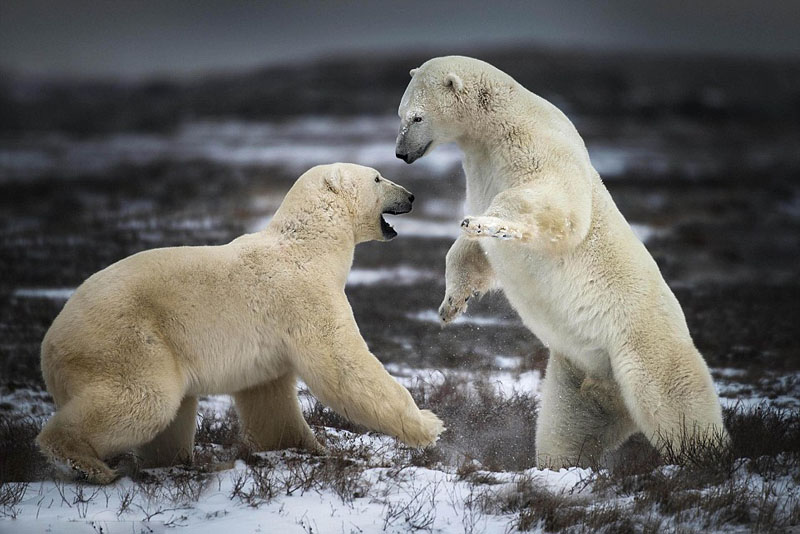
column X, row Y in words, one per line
column 134, row 39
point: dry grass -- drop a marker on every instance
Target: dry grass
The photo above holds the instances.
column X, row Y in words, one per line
column 20, row 459
column 482, row 425
column 269, row 475
column 11, row 494
column 747, row 484
column 697, row 488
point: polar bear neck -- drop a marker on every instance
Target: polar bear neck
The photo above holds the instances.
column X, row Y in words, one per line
column 527, row 138
column 315, row 234
column 308, row 227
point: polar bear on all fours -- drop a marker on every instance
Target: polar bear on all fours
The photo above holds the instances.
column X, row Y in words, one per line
column 543, row 227
column 138, row 341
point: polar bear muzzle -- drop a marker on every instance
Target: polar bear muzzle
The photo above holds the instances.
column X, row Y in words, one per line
column 396, row 204
column 407, row 153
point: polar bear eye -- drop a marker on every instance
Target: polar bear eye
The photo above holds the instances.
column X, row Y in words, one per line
column 417, row 119
column 377, row 179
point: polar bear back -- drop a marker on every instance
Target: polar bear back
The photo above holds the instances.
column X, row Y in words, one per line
column 209, row 302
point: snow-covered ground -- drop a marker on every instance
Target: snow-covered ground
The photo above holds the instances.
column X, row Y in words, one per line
column 419, row 497
column 385, row 491
column 400, row 500
column 381, row 490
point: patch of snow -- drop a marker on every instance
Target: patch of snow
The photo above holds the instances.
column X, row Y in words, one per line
column 643, row 231
column 216, row 404
column 25, row 160
column 781, row 391
column 564, row 480
column 727, row 372
column 505, row 382
column 401, row 275
column 151, row 223
column 509, row 382
column 431, row 316
column 258, row 223
column 443, row 208
column 399, row 495
column 609, row 161
column 396, row 499
column 506, row 362
column 52, row 293
column 26, row 402
column 294, row 144
column 647, row 157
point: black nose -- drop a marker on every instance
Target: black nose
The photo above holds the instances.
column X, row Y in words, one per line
column 404, row 157
column 411, row 198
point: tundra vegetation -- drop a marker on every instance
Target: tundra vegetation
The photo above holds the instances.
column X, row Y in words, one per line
column 699, row 154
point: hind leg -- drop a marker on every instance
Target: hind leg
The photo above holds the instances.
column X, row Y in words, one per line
column 580, row 419
column 272, row 418
column 670, row 394
column 108, row 419
column 174, row 444
column 64, row 444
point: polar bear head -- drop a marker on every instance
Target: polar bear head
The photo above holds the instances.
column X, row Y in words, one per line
column 359, row 195
column 448, row 99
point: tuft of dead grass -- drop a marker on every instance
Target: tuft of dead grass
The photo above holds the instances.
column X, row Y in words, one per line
column 540, row 508
column 746, row 484
column 20, row 459
column 496, row 430
column 697, row 486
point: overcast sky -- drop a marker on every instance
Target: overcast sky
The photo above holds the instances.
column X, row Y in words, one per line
column 131, row 39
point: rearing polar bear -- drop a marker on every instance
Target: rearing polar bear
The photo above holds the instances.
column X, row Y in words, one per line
column 127, row 357
column 547, row 231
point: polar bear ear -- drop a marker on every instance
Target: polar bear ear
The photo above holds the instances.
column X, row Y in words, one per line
column 412, row 72
column 333, row 181
column 453, row 80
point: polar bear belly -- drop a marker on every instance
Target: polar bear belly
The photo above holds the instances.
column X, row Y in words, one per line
column 219, row 365
column 548, row 300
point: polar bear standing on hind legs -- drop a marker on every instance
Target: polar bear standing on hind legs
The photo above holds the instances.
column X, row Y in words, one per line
column 127, row 357
column 543, row 227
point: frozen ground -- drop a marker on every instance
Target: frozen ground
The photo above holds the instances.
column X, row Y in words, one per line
column 700, row 157
column 368, row 483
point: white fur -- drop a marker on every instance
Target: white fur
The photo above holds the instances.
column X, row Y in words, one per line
column 138, row 341
column 622, row 358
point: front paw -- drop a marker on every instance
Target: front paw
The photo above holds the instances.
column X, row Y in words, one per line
column 452, row 306
column 489, row 227
column 424, row 431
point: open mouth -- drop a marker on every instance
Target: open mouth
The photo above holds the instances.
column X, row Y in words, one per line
column 386, row 228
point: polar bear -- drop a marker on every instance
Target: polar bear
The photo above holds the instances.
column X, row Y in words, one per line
column 544, row 228
column 127, row 357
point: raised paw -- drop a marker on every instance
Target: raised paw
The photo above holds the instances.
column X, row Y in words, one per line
column 489, row 227
column 452, row 306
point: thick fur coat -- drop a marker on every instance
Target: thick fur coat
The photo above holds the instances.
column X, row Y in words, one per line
column 127, row 357
column 543, row 227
